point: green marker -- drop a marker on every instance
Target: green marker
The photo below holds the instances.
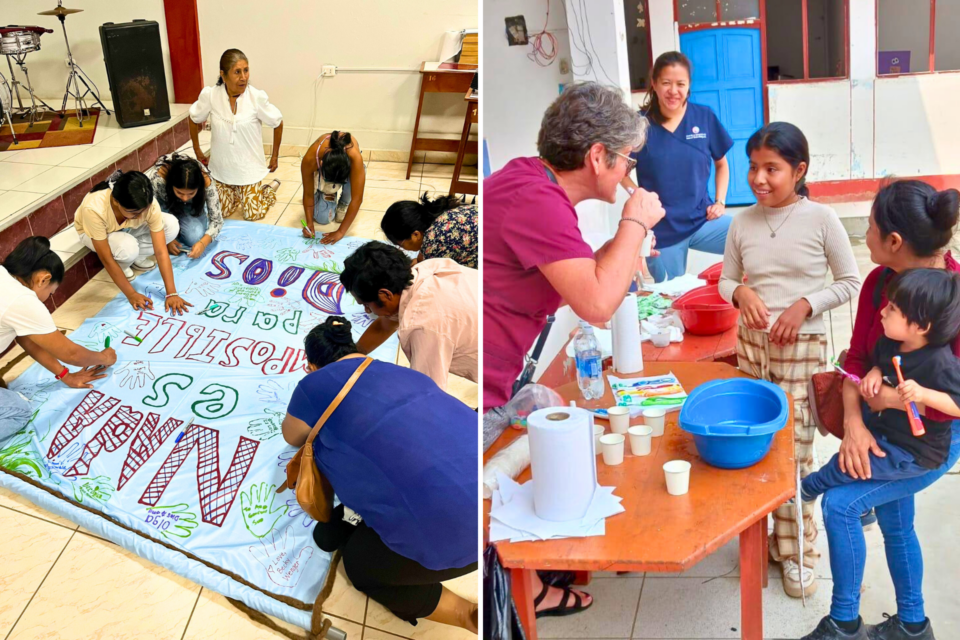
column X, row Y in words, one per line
column 139, row 340
column 304, row 223
column 106, row 343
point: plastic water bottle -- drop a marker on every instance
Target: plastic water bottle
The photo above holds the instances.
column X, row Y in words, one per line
column 589, row 363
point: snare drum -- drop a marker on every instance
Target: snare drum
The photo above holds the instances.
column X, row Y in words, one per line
column 14, row 43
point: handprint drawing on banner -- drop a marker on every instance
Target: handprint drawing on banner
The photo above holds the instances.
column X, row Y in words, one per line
column 272, row 392
column 64, row 462
column 286, row 256
column 259, row 516
column 283, row 567
column 295, row 511
column 100, row 332
column 283, row 306
column 314, row 319
column 251, row 295
column 265, row 428
column 136, row 372
column 156, row 292
column 98, row 489
column 202, row 288
column 361, row 320
column 173, row 521
column 285, row 457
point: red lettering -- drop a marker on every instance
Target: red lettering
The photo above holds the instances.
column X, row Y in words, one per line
column 87, row 412
column 111, row 437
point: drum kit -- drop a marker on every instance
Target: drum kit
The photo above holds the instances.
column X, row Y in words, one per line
column 15, row 43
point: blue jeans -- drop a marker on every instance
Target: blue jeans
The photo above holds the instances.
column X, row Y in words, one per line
column 192, row 228
column 897, row 465
column 14, row 413
column 894, row 504
column 672, row 262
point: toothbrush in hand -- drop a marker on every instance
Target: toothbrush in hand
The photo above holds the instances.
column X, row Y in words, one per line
column 849, row 376
column 916, row 425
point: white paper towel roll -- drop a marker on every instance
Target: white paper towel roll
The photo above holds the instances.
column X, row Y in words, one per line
column 563, row 462
column 627, row 353
column 510, row 461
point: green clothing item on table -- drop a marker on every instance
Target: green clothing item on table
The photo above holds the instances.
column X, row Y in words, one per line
column 652, row 305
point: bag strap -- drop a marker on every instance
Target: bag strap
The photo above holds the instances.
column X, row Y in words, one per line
column 336, row 401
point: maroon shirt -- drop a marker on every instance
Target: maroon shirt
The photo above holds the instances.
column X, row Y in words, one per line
column 528, row 221
column 867, row 329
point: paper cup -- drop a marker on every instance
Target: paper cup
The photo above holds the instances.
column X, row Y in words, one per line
column 677, row 473
column 619, row 419
column 655, row 419
column 647, row 247
column 640, row 440
column 612, row 445
column 597, row 432
column 660, row 339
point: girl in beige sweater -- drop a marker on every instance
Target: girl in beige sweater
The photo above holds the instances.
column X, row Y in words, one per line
column 784, row 245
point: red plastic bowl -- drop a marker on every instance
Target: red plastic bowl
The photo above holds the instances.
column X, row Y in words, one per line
column 704, row 313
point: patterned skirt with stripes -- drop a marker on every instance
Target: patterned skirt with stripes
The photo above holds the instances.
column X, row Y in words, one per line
column 252, row 200
column 791, row 368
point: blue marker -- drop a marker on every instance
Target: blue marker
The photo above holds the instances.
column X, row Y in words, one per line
column 185, row 431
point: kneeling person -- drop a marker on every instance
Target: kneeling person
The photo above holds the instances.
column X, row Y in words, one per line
column 433, row 305
column 121, row 221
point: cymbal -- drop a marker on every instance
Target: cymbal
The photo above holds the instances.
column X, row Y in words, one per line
column 59, row 11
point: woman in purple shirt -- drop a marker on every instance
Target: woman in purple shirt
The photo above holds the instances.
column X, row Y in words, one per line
column 535, row 258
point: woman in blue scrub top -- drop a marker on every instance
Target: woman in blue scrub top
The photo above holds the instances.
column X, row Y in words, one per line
column 683, row 141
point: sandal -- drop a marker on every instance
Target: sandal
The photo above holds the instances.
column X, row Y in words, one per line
column 563, row 609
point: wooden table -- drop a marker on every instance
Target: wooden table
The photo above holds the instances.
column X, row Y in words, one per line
column 472, row 117
column 449, row 78
column 718, row 348
column 660, row 532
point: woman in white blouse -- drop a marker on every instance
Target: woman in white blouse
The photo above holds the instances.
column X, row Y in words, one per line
column 237, row 110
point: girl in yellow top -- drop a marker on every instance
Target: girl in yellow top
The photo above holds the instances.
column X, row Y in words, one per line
column 121, row 221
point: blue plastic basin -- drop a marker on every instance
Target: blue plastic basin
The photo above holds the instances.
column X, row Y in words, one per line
column 733, row 421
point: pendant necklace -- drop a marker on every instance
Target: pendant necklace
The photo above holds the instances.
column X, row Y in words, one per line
column 773, row 232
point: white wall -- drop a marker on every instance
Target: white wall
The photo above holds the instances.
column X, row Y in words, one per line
column 288, row 42
column 48, row 71
column 516, row 90
column 827, row 127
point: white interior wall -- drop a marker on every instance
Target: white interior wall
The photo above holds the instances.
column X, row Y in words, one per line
column 662, row 34
column 288, row 42
column 47, row 67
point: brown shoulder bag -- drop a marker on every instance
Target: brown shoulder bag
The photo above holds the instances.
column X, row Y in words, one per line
column 313, row 492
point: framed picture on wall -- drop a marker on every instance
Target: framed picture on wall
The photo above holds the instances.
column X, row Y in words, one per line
column 890, row 62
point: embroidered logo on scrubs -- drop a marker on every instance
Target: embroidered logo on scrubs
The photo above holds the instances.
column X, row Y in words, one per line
column 696, row 134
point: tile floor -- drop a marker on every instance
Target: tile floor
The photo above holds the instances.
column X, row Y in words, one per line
column 30, row 175
column 60, row 581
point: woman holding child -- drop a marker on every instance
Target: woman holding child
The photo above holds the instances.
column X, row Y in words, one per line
column 905, row 303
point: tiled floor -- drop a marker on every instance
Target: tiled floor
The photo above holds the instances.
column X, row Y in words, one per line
column 29, row 175
column 62, row 582
column 704, row 602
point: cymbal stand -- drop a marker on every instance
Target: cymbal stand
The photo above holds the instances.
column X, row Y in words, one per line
column 77, row 76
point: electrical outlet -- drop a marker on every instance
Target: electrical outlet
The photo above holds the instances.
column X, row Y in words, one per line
column 328, row 70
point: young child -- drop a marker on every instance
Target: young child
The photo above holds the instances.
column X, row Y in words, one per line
column 784, row 245
column 919, row 323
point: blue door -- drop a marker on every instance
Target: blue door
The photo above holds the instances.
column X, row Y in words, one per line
column 727, row 78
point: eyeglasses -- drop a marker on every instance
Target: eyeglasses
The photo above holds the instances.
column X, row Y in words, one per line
column 631, row 163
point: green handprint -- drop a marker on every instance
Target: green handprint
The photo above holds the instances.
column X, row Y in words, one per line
column 19, row 456
column 99, row 489
column 172, row 521
column 259, row 516
column 265, row 428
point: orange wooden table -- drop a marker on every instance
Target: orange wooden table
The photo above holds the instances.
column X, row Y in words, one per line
column 718, row 348
column 660, row 532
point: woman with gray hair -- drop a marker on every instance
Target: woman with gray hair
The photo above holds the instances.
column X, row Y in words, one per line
column 534, row 256
column 237, row 110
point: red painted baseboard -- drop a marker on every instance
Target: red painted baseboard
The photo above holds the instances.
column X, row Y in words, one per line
column 859, row 190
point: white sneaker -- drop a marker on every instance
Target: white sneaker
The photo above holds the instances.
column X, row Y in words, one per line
column 792, row 584
column 341, row 213
column 127, row 271
column 145, row 263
